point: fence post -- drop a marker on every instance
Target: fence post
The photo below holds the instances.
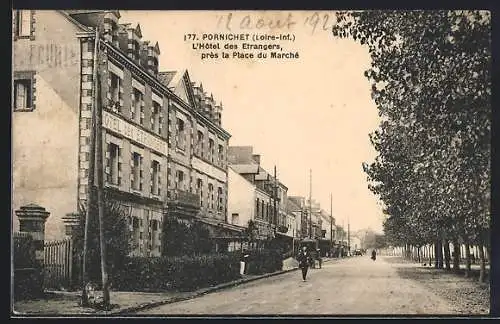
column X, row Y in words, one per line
column 32, row 220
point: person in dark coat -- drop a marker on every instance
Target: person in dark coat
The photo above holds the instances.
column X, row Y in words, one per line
column 374, row 255
column 318, row 257
column 304, row 259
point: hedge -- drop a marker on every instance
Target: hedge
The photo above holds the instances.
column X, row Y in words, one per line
column 155, row 274
column 264, row 261
column 28, row 279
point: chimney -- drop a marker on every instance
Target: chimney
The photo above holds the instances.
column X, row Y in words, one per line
column 133, row 41
column 256, row 158
column 123, row 36
column 110, row 26
column 149, row 57
column 199, row 97
column 218, row 113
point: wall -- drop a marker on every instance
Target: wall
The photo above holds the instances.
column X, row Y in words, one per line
column 45, row 140
column 241, row 198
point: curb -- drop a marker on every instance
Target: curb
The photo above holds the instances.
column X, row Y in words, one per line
column 199, row 293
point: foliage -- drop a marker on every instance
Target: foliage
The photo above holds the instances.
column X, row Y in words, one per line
column 176, row 273
column 116, row 233
column 251, row 230
column 430, row 76
column 24, row 252
column 27, row 279
column 265, row 261
column 185, row 239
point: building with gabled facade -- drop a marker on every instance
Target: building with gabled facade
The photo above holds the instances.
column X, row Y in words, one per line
column 303, row 213
column 246, row 165
column 149, row 126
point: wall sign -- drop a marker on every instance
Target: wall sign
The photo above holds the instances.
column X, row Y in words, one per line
column 136, row 134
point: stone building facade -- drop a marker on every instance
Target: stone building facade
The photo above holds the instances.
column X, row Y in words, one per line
column 154, row 163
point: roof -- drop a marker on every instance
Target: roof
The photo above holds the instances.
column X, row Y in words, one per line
column 262, row 175
column 166, row 77
column 245, row 168
column 66, row 14
column 291, row 206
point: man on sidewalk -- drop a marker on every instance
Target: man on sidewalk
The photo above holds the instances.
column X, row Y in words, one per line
column 304, row 259
column 318, row 256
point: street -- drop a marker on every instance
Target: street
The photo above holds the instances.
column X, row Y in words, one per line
column 354, row 285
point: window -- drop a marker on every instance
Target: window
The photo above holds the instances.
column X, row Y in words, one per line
column 220, row 204
column 24, row 23
column 181, row 136
column 199, row 190
column 257, row 208
column 114, row 90
column 23, row 94
column 199, row 147
column 211, row 195
column 179, row 184
column 221, row 154
column 235, row 218
column 211, row 150
column 113, row 164
column 136, row 107
column 155, row 178
column 136, row 176
column 156, row 118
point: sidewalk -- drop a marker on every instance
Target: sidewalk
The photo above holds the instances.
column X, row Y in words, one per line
column 67, row 303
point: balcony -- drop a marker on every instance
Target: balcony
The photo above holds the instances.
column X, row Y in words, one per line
column 182, row 204
column 185, row 198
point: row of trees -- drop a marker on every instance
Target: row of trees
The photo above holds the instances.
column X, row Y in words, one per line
column 430, row 76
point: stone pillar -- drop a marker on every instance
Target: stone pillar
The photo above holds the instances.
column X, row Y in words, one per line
column 32, row 221
column 71, row 222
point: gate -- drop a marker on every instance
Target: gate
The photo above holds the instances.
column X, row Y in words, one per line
column 58, row 264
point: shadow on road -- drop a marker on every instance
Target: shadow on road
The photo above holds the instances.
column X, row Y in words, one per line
column 467, row 294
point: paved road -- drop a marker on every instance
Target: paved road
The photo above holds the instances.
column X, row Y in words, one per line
column 354, row 285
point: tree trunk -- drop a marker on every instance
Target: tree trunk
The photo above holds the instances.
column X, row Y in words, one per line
column 439, row 255
column 456, row 256
column 429, row 250
column 447, row 256
column 418, row 254
column 467, row 259
column 436, row 255
column 482, row 271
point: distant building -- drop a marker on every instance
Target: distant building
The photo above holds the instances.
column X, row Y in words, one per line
column 247, row 165
column 328, row 230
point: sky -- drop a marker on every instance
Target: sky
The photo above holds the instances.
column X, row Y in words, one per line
column 311, row 113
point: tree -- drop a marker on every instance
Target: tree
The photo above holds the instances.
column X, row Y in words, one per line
column 118, row 237
column 431, row 83
column 251, row 232
column 181, row 238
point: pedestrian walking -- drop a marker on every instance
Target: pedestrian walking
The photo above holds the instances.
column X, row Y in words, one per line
column 318, row 256
column 374, row 255
column 304, row 258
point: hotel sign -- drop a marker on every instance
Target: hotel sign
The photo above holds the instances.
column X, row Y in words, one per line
column 208, row 169
column 134, row 133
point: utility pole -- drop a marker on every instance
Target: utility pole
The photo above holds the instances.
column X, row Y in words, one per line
column 331, row 220
column 343, row 231
column 310, row 203
column 348, row 235
column 275, row 193
column 91, row 175
column 100, row 195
